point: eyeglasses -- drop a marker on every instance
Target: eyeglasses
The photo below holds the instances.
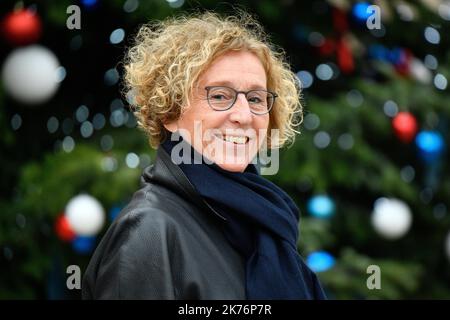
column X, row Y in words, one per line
column 222, row 98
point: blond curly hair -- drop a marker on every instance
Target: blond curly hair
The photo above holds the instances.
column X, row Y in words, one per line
column 168, row 57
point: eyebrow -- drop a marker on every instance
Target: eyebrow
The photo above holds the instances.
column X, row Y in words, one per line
column 232, row 85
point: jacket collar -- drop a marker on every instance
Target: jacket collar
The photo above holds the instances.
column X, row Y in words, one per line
column 168, row 174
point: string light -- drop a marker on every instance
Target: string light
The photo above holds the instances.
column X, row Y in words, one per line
column 117, row 36
column 68, row 144
column 321, row 139
column 16, row 122
column 52, row 124
column 130, row 6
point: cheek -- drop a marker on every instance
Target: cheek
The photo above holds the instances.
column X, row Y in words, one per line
column 263, row 133
column 261, row 125
column 213, row 120
column 193, row 118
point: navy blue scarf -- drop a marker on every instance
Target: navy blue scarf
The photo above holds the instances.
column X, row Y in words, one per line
column 262, row 225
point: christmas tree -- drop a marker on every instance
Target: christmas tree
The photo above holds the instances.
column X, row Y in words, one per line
column 368, row 170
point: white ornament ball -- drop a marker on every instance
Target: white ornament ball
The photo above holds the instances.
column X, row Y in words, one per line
column 419, row 71
column 30, row 74
column 391, row 218
column 85, row 215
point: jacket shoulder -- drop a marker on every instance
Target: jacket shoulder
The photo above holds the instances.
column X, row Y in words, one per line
column 148, row 208
column 134, row 253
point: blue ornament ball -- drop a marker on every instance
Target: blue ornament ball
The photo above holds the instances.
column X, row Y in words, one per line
column 320, row 261
column 89, row 4
column 378, row 52
column 114, row 212
column 360, row 11
column 83, row 245
column 430, row 145
column 321, row 206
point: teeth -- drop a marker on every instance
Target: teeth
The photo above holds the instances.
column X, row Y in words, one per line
column 235, row 139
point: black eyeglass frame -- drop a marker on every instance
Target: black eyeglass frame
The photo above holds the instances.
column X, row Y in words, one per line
column 245, row 93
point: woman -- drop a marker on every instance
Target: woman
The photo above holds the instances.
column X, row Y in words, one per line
column 209, row 92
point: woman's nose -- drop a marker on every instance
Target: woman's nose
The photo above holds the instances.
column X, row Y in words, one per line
column 241, row 112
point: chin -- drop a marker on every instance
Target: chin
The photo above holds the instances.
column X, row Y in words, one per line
column 229, row 156
column 233, row 167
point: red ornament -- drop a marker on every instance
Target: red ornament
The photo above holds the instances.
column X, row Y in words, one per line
column 22, row 27
column 339, row 44
column 344, row 56
column 405, row 126
column 63, row 229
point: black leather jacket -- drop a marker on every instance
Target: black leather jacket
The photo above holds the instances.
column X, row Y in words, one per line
column 165, row 244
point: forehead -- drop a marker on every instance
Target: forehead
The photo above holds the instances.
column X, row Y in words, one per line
column 240, row 69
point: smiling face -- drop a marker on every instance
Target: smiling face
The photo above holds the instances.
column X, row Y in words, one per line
column 229, row 138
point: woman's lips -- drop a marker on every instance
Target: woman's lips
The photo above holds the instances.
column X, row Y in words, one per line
column 235, row 139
